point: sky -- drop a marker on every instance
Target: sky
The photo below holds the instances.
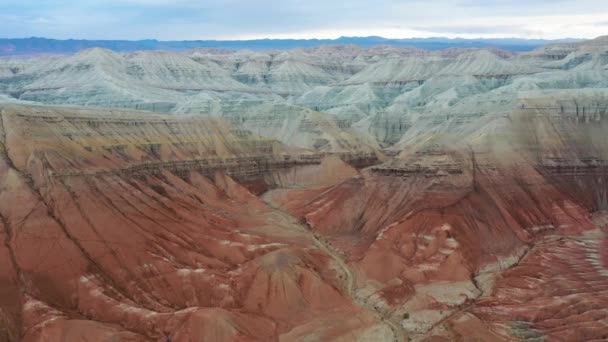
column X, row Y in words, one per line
column 253, row 19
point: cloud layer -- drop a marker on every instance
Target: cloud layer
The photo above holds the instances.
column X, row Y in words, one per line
column 246, row 19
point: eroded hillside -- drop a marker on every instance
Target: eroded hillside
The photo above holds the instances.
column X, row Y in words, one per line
column 118, row 225
column 328, row 98
column 331, row 194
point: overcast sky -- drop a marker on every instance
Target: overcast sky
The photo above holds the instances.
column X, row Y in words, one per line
column 246, row 19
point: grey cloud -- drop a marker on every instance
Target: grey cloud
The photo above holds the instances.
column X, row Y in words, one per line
column 463, row 29
column 192, row 19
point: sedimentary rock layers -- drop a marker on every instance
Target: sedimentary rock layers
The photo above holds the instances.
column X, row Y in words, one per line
column 447, row 222
column 337, row 98
column 93, row 247
column 462, row 201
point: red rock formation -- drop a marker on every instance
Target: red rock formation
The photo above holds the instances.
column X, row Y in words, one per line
column 426, row 235
column 131, row 228
column 98, row 243
column 557, row 291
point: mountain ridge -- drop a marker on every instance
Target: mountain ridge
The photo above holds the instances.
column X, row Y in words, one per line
column 39, row 45
column 336, row 193
column 330, row 98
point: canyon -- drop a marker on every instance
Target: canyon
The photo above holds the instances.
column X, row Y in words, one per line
column 333, row 193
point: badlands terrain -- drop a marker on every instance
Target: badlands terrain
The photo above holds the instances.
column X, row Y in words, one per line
column 334, row 193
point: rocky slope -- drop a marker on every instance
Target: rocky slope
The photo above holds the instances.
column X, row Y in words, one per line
column 374, row 95
column 334, row 193
column 474, row 230
column 118, row 225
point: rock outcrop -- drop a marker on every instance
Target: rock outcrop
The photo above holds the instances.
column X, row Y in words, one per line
column 325, row 98
column 473, row 231
column 332, row 194
column 119, row 225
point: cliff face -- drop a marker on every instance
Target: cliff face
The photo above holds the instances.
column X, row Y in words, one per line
column 329, row 194
column 158, row 232
column 472, row 231
column 333, row 98
column 118, row 226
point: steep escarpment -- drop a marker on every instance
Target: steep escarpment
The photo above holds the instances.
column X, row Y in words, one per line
column 450, row 214
column 120, row 226
column 334, row 193
column 566, row 137
column 331, row 98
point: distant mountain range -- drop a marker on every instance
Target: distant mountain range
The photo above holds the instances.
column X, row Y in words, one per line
column 29, row 46
column 331, row 193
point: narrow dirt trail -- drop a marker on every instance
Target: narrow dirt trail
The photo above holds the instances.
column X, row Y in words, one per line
column 346, row 275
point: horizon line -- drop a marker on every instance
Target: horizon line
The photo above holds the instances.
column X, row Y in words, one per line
column 301, row 39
